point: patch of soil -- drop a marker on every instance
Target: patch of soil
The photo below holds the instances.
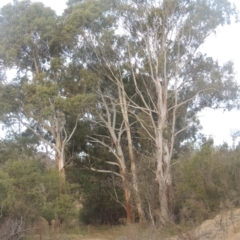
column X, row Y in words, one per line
column 225, row 226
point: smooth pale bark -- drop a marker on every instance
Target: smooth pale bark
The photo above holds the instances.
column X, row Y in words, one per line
column 110, row 123
column 163, row 156
column 60, row 157
column 158, row 43
column 163, row 177
column 124, row 109
column 56, row 126
column 128, row 203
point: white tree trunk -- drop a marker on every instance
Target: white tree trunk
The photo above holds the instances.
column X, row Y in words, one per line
column 60, row 156
column 124, row 109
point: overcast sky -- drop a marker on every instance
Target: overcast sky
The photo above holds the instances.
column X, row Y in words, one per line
column 224, row 46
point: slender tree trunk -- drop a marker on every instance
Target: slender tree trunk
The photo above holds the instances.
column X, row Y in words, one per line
column 125, row 181
column 60, row 158
column 110, row 123
column 135, row 182
column 61, row 167
column 134, row 177
column 137, row 195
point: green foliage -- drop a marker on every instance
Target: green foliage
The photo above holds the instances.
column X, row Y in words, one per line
column 206, row 182
column 26, row 197
column 99, row 205
column 17, row 147
column 25, row 27
column 29, row 191
column 195, row 185
column 104, row 209
column 48, row 90
column 5, row 185
column 61, row 61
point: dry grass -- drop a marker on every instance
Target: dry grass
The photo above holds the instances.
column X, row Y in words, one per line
column 77, row 233
column 224, row 226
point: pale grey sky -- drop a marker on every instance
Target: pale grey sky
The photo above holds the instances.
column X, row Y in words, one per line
column 224, row 46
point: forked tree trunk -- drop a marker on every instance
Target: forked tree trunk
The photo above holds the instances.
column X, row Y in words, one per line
column 110, row 123
column 135, row 185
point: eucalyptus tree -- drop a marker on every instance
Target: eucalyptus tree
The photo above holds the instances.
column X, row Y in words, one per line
column 171, row 76
column 89, row 21
column 48, row 88
column 112, row 114
column 154, row 46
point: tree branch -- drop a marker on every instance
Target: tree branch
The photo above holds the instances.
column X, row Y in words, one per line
column 106, row 171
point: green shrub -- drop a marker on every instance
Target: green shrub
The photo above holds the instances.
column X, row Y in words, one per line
column 206, row 182
column 29, row 190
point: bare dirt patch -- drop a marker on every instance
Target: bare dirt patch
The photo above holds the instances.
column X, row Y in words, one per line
column 225, row 226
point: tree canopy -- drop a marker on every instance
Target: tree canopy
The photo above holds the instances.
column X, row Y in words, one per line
column 111, row 87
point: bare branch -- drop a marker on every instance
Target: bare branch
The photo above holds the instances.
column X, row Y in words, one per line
column 184, row 128
column 191, row 98
column 74, row 129
column 106, row 171
column 112, row 163
column 116, row 196
column 112, row 150
column 144, row 127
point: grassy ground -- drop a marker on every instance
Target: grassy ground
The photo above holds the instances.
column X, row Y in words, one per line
column 80, row 233
column 225, row 225
column 129, row 232
column 106, row 232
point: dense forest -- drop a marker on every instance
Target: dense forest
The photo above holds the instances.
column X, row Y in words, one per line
column 99, row 114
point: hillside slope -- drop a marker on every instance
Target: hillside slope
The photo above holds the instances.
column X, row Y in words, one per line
column 225, row 226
